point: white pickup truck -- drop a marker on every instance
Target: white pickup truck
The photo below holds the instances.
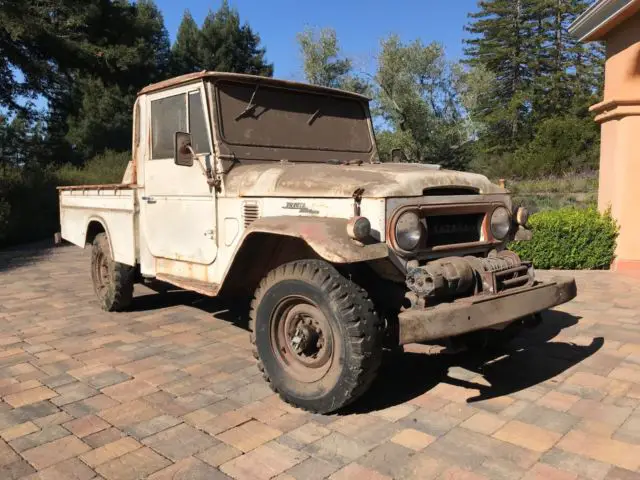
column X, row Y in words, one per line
column 256, row 187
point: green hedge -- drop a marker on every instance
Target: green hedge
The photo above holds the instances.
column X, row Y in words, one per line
column 570, row 238
column 29, row 199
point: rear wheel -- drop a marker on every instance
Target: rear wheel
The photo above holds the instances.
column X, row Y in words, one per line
column 316, row 335
column 112, row 281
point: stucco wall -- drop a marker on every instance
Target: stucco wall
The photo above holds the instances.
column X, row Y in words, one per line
column 622, row 72
column 619, row 116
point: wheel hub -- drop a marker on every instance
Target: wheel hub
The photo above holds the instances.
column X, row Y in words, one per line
column 303, row 336
column 307, row 339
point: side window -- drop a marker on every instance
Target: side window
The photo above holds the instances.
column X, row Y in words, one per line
column 168, row 116
column 198, row 124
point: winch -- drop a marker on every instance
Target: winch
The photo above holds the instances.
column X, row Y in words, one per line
column 462, row 276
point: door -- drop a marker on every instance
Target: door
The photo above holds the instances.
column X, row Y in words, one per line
column 178, row 209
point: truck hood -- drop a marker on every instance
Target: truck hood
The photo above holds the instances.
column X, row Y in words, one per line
column 381, row 180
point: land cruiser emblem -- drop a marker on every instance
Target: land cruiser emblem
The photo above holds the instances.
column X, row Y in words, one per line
column 301, row 207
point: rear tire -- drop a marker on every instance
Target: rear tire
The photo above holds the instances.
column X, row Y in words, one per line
column 316, row 336
column 112, row 281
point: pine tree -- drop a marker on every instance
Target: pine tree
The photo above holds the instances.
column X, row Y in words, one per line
column 502, row 43
column 90, row 106
column 185, row 56
column 544, row 82
column 226, row 45
column 223, row 44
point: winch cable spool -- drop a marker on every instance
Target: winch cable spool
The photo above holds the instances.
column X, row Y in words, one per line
column 457, row 275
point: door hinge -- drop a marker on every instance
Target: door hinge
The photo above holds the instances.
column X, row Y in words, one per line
column 211, row 234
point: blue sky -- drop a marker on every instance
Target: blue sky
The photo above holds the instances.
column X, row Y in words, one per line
column 360, row 24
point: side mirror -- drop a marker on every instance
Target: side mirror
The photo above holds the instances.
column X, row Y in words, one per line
column 183, row 153
column 398, row 156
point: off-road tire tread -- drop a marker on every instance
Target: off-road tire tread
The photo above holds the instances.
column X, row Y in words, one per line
column 123, row 278
column 364, row 327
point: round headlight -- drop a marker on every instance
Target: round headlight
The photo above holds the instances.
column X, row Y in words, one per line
column 500, row 223
column 408, row 231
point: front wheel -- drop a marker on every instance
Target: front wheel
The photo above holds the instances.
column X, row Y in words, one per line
column 316, row 335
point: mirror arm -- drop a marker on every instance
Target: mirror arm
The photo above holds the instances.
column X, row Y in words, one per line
column 207, row 171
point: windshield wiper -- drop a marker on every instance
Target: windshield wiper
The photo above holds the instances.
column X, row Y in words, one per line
column 250, row 106
column 313, row 117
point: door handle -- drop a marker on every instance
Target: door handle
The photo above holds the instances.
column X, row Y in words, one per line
column 149, row 199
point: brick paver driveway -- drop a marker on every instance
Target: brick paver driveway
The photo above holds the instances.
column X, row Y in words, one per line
column 170, row 390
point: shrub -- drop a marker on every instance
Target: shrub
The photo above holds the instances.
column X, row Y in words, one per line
column 570, row 238
column 29, row 199
column 560, row 144
column 107, row 167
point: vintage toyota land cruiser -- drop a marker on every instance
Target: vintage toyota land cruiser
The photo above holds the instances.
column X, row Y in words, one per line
column 242, row 185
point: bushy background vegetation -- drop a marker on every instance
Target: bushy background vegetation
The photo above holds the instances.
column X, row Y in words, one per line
column 29, row 200
column 570, row 238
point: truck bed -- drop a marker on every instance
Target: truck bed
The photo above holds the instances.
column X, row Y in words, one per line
column 105, row 186
column 112, row 208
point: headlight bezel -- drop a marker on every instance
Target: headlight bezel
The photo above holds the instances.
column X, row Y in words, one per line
column 419, row 231
column 505, row 224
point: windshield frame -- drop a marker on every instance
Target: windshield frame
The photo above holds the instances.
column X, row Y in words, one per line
column 293, row 153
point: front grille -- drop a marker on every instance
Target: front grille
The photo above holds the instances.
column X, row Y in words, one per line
column 453, row 229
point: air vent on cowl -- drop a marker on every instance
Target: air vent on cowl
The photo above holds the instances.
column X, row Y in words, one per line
column 444, row 191
column 250, row 213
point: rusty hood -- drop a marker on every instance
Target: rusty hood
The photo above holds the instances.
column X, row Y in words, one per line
column 381, row 180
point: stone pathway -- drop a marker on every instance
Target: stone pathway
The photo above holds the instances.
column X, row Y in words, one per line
column 170, row 390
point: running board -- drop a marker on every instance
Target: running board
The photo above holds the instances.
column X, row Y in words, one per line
column 204, row 288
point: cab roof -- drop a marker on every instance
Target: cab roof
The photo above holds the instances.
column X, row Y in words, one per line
column 213, row 76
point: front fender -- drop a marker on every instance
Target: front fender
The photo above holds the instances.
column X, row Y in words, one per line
column 326, row 236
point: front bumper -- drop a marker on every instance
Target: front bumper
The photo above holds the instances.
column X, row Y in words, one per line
column 483, row 311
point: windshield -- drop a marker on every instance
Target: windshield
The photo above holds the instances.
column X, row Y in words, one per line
column 266, row 116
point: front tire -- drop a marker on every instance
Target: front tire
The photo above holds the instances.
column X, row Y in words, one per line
column 112, row 281
column 316, row 336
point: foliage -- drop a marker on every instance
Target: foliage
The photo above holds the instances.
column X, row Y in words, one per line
column 543, row 82
column 556, row 201
column 222, row 44
column 102, row 119
column 570, row 238
column 107, row 167
column 185, row 53
column 561, row 144
column 322, row 62
column 94, row 112
column 29, row 199
column 573, row 183
column 417, row 96
column 5, row 211
column 553, row 193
